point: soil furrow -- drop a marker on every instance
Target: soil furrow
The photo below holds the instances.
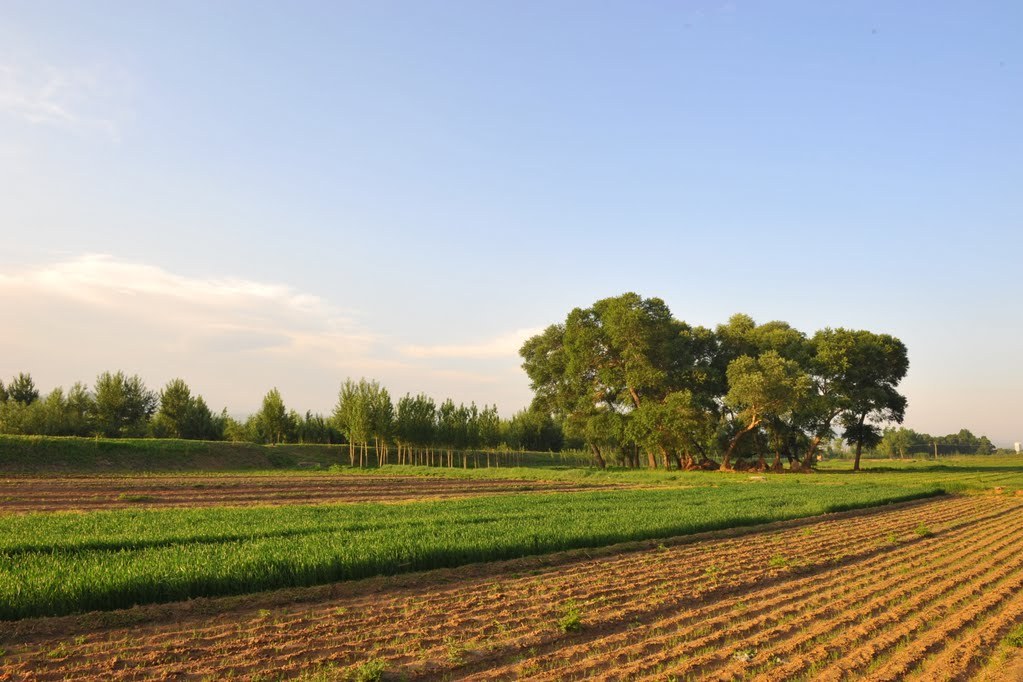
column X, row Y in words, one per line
column 813, row 591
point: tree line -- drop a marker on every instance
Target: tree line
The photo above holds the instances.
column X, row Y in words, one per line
column 632, row 381
column 902, row 442
column 365, row 418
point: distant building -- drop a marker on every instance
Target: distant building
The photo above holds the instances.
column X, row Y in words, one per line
column 1017, row 447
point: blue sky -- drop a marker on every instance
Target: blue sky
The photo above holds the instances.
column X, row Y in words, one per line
column 254, row 194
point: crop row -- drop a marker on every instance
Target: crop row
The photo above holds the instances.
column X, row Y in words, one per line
column 53, row 564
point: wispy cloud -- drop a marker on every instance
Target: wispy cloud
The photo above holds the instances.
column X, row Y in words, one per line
column 227, row 314
column 60, row 97
column 233, row 337
column 503, row 346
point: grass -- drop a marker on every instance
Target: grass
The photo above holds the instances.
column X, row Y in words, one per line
column 59, row 563
column 371, row 671
column 133, row 497
column 1015, row 637
column 68, row 454
column 571, row 619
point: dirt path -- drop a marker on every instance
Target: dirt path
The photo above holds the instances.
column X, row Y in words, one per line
column 110, row 492
column 923, row 590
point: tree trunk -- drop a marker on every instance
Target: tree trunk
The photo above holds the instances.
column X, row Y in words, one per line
column 734, row 444
column 664, row 456
column 597, row 456
column 859, row 443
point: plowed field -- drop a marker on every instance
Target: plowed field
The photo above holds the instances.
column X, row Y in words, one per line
column 921, row 590
column 109, row 492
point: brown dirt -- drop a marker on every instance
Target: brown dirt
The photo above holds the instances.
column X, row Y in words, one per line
column 89, row 493
column 850, row 596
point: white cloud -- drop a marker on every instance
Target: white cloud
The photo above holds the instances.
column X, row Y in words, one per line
column 230, row 314
column 504, row 346
column 232, row 339
column 65, row 98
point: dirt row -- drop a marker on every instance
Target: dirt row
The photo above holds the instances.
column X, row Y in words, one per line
column 922, row 590
column 18, row 495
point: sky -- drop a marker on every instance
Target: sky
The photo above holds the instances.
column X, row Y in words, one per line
column 250, row 195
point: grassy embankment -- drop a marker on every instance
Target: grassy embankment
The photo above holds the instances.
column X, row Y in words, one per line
column 67, row 455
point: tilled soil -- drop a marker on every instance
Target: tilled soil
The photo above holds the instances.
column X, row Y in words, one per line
column 922, row 590
column 25, row 494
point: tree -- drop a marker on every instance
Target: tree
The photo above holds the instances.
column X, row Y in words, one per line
column 123, row 405
column 273, row 423
column 610, row 357
column 414, row 425
column 896, row 442
column 183, row 415
column 176, row 405
column 354, row 415
column 3, row 393
column 877, row 363
column 22, row 389
column 81, row 410
column 761, row 387
column 314, row 428
column 828, row 365
column 381, row 417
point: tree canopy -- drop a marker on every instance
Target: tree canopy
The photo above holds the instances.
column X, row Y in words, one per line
column 627, row 377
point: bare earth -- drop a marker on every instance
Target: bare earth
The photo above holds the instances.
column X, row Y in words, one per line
column 85, row 493
column 862, row 595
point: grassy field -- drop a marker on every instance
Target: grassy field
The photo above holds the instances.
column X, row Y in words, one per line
column 58, row 563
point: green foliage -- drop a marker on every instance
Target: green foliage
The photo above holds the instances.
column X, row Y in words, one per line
column 273, row 423
column 532, row 430
column 571, row 619
column 183, row 415
column 1015, row 637
column 123, row 405
column 58, row 563
column 22, row 389
column 625, row 376
column 370, row 671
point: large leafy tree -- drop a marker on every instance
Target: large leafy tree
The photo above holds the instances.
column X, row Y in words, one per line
column 877, row 363
column 609, row 358
column 759, row 388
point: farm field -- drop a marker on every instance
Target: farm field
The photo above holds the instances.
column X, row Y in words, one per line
column 29, row 494
column 59, row 563
column 921, row 590
column 515, row 573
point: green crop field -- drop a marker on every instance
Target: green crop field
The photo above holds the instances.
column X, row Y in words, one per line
column 60, row 563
